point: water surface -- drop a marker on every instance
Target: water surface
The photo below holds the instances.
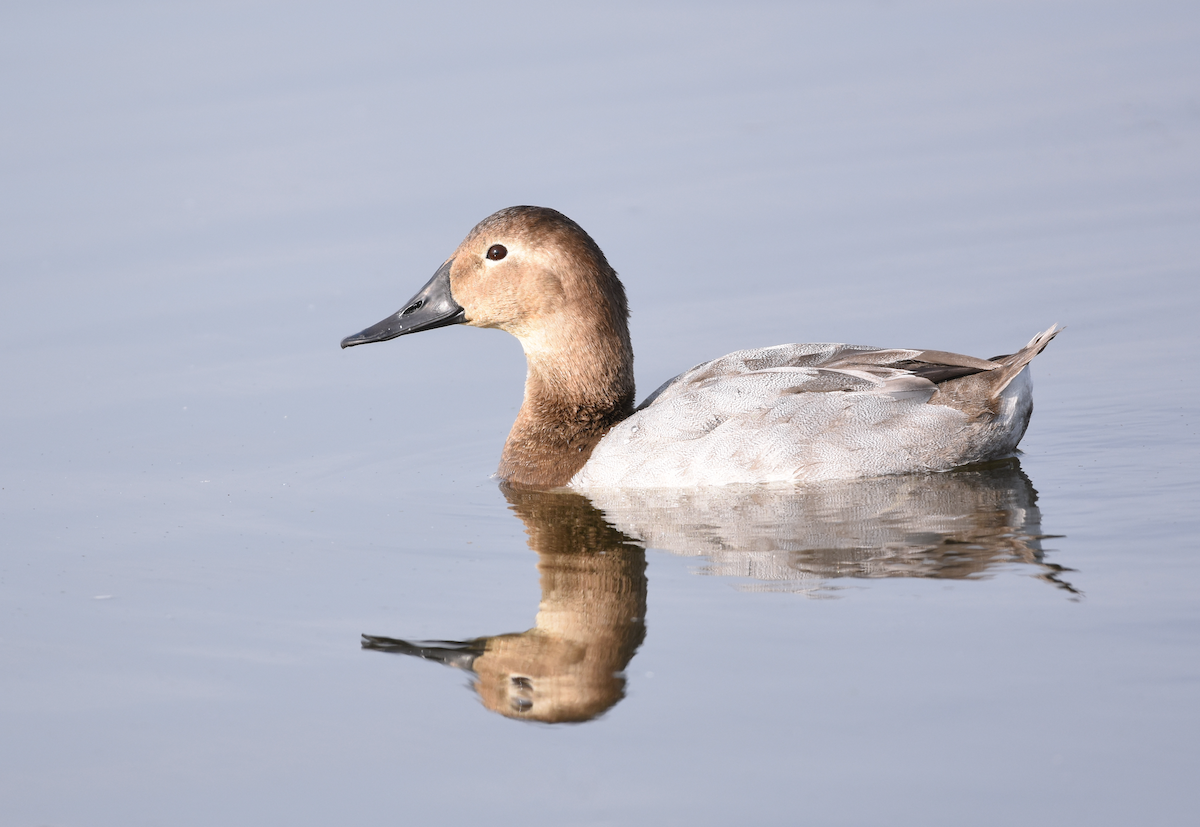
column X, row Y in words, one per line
column 206, row 504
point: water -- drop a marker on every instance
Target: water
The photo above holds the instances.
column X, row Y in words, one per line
column 206, row 503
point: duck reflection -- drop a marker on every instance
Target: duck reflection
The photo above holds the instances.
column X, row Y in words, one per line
column 961, row 524
column 569, row 667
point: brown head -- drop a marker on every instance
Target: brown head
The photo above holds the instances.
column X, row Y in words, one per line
column 535, row 273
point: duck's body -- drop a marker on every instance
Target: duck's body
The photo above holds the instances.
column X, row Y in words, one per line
column 803, row 413
column 785, row 413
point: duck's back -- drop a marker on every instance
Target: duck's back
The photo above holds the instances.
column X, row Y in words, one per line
column 807, row 412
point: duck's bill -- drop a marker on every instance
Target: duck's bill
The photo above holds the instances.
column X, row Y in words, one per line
column 459, row 654
column 430, row 308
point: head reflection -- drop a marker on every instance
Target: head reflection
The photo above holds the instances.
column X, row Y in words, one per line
column 591, row 619
column 964, row 524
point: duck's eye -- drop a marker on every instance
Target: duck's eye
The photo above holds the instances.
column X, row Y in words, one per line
column 497, row 252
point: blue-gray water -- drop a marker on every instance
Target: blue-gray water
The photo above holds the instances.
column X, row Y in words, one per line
column 204, row 502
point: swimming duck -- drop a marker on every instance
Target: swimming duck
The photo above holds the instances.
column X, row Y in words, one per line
column 788, row 413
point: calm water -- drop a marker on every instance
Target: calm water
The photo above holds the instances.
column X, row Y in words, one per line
column 205, row 503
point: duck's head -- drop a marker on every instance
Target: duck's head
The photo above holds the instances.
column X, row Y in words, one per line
column 530, row 271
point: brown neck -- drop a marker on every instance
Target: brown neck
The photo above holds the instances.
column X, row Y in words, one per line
column 577, row 388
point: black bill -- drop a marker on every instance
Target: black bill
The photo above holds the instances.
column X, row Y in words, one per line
column 459, row 654
column 430, row 308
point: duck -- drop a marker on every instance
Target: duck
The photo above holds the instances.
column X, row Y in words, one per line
column 790, row 413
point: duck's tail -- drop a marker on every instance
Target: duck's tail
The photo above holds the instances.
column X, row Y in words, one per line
column 1012, row 365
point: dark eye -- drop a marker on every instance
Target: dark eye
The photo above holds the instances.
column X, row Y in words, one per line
column 497, row 252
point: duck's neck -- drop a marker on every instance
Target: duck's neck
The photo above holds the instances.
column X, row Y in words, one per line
column 579, row 384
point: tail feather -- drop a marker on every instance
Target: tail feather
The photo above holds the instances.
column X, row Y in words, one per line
column 1011, row 366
